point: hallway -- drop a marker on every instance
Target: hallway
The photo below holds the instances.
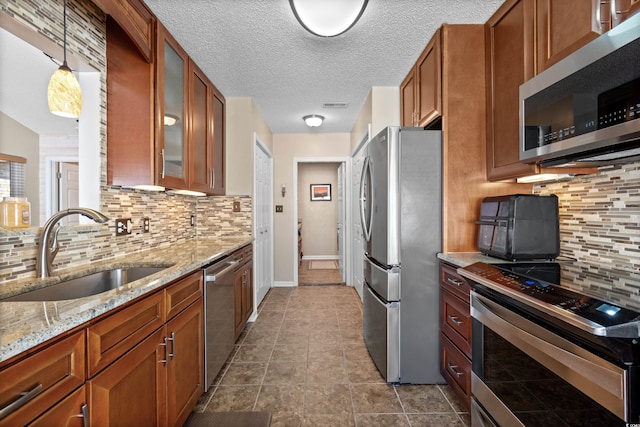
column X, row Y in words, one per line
column 318, row 276
column 304, row 361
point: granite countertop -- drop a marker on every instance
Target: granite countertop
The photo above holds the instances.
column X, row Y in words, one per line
column 24, row 325
column 463, row 259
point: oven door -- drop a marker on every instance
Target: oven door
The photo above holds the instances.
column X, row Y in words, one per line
column 523, row 374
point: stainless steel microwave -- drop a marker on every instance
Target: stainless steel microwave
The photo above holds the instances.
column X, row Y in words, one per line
column 585, row 109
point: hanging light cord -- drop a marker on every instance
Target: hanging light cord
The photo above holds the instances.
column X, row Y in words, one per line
column 64, row 20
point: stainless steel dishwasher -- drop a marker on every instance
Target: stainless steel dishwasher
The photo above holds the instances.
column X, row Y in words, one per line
column 219, row 334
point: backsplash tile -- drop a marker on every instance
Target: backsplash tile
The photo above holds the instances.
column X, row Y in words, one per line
column 600, row 223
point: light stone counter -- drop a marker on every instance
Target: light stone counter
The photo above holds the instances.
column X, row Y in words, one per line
column 23, row 325
column 463, row 259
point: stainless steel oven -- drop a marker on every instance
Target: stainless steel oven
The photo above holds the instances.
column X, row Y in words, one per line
column 534, row 365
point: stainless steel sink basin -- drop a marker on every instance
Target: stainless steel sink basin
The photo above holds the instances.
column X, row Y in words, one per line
column 85, row 286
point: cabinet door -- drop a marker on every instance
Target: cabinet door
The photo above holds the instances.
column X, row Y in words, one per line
column 219, row 142
column 201, row 131
column 185, row 369
column 247, row 291
column 429, row 82
column 509, row 43
column 171, row 111
column 238, row 315
column 564, row 26
column 408, row 99
column 131, row 391
column 70, row 412
column 42, row 379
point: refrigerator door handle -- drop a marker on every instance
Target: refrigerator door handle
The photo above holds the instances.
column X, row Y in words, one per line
column 365, row 222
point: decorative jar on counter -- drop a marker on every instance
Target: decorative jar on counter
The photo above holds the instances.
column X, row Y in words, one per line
column 15, row 212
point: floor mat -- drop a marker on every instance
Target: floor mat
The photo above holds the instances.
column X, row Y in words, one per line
column 323, row 265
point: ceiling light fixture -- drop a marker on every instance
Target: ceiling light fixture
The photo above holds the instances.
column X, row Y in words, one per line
column 327, row 18
column 170, row 120
column 64, row 94
column 313, row 120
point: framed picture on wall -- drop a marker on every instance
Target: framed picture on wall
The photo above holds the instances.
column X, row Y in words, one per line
column 320, row 192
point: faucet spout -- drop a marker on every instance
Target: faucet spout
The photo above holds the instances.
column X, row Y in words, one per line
column 46, row 251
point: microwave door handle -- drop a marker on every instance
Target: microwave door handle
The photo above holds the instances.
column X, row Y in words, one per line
column 365, row 222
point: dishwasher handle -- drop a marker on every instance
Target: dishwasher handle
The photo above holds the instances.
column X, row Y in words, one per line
column 213, row 277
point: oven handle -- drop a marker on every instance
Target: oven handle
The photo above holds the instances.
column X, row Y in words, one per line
column 602, row 381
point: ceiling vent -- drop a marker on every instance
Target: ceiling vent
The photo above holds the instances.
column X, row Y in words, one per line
column 335, row 105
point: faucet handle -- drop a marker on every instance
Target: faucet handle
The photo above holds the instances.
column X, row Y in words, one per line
column 53, row 249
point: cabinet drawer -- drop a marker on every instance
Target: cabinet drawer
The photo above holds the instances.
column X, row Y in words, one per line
column 182, row 293
column 456, row 369
column 454, row 282
column 55, row 371
column 455, row 321
column 113, row 336
column 68, row 413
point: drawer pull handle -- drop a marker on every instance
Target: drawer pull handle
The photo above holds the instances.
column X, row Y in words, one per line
column 454, row 282
column 455, row 320
column 24, row 398
column 454, row 369
column 84, row 414
column 166, row 351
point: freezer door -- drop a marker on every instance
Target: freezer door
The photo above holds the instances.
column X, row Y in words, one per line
column 382, row 334
column 384, row 281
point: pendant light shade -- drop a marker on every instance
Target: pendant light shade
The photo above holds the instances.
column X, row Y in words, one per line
column 64, row 94
column 328, row 18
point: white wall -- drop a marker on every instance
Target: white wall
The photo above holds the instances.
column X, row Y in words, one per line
column 286, row 148
column 319, row 218
column 380, row 109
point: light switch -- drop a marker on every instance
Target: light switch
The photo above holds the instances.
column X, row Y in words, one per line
column 278, row 208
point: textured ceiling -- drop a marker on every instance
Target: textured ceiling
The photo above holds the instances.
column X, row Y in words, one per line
column 256, row 48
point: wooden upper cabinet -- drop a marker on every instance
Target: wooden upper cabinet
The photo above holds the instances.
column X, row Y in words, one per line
column 407, row 97
column 510, row 62
column 136, row 20
column 219, row 138
column 172, row 124
column 564, row 26
column 429, row 82
column 421, row 90
column 206, row 134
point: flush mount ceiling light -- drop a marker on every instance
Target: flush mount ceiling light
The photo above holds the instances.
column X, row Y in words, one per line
column 313, row 120
column 327, row 18
column 64, row 94
column 170, row 120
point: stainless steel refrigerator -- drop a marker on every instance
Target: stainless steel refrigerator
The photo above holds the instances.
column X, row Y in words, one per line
column 401, row 208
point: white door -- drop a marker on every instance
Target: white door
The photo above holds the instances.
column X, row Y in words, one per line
column 341, row 220
column 68, row 190
column 263, row 220
column 357, row 248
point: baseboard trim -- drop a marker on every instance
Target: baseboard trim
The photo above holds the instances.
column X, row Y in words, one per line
column 284, row 284
column 319, row 257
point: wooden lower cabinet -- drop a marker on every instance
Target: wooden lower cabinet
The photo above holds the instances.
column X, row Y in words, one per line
column 131, row 391
column 455, row 332
column 70, row 412
column 42, row 379
column 243, row 291
column 185, row 367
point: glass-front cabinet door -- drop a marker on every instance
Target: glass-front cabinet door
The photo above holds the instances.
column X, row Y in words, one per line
column 172, row 125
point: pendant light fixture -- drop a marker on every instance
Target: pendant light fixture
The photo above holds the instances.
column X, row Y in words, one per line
column 328, row 18
column 64, row 93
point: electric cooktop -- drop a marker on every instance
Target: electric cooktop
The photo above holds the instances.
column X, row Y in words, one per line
column 537, row 285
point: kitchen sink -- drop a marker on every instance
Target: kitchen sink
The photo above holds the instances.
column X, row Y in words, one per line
column 85, row 286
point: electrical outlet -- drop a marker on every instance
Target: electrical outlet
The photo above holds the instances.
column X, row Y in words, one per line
column 236, row 206
column 193, row 220
column 145, row 225
column 123, row 226
column 278, row 208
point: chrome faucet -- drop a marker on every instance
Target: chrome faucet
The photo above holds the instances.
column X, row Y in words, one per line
column 46, row 251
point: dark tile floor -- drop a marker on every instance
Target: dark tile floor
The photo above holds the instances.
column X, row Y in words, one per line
column 304, row 361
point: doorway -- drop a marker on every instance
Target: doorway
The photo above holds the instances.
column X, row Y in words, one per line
column 320, row 210
column 263, row 220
